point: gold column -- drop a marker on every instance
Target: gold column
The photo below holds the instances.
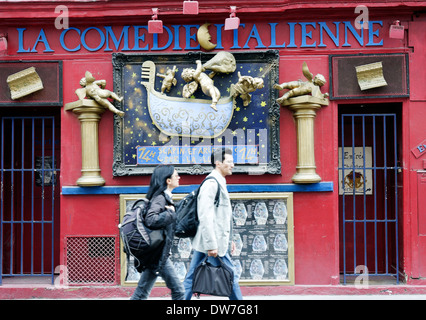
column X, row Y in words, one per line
column 304, row 112
column 89, row 114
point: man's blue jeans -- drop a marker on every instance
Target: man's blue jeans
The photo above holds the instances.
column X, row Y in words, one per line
column 148, row 278
column 197, row 258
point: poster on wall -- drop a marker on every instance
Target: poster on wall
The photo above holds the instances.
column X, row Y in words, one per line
column 356, row 179
column 180, row 107
column 262, row 233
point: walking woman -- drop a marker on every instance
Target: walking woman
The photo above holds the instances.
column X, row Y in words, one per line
column 161, row 215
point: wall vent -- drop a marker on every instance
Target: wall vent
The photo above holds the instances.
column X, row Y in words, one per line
column 91, row 260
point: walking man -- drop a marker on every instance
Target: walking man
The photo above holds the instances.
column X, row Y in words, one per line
column 214, row 231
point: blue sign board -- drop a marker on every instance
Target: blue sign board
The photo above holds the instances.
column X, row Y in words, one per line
column 192, row 155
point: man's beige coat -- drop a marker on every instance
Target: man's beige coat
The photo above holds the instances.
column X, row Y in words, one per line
column 215, row 222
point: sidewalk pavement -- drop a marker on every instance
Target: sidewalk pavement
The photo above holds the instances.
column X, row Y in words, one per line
column 315, row 297
column 23, row 291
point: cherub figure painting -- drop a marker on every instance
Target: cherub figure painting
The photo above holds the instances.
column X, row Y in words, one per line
column 198, row 77
column 95, row 89
column 245, row 86
column 299, row 87
column 169, row 79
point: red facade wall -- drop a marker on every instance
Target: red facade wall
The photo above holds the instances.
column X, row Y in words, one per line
column 415, row 130
column 316, row 220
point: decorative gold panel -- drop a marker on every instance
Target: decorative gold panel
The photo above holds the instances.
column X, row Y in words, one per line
column 370, row 76
column 24, row 83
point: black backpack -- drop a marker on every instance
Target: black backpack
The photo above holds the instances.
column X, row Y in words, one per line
column 140, row 241
column 186, row 212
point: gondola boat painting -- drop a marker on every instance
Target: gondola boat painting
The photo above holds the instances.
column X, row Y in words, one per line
column 167, row 111
column 175, row 116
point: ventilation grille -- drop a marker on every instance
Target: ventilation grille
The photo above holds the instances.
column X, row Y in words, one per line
column 91, row 260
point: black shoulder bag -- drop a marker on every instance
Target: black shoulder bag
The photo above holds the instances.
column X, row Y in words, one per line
column 212, row 280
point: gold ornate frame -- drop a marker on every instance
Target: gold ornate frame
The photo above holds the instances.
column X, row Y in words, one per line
column 287, row 196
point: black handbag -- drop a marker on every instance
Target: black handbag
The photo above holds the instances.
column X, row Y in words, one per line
column 212, row 280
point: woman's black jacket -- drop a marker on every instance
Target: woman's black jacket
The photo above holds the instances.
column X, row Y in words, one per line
column 160, row 217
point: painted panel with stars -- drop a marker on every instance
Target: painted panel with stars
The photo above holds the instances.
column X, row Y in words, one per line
column 161, row 125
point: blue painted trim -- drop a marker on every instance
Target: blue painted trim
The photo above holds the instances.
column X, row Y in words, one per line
column 315, row 187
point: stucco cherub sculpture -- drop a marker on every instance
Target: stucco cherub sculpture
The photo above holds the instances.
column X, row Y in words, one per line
column 300, row 88
column 169, row 79
column 198, row 77
column 95, row 89
column 245, row 86
column 222, row 62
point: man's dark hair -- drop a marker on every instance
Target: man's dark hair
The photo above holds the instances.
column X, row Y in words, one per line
column 219, row 155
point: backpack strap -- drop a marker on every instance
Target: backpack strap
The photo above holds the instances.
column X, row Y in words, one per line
column 139, row 202
column 217, row 197
column 143, row 204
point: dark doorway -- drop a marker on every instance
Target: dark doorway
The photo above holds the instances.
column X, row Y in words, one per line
column 29, row 209
column 370, row 190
